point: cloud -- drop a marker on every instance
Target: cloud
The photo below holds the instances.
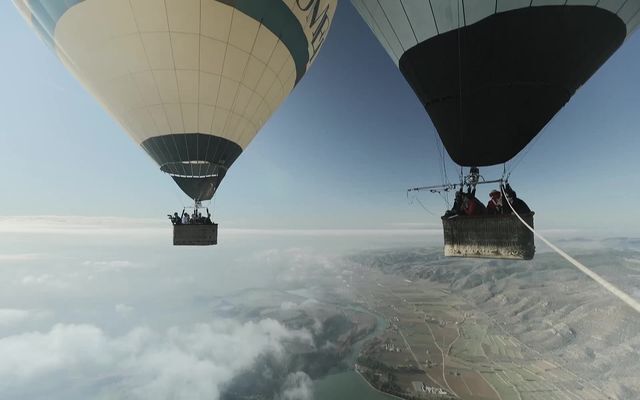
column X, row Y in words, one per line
column 9, row 316
column 182, row 362
column 290, row 305
column 297, row 386
column 19, row 257
column 47, row 280
column 415, row 225
column 297, row 264
column 124, row 309
column 66, row 346
column 81, row 225
column 113, row 265
column 333, row 232
column 560, row 232
column 118, row 226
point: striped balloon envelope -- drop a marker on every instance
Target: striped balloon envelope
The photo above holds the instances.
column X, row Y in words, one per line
column 191, row 81
column 492, row 73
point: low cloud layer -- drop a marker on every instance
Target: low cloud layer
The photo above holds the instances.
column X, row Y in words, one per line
column 14, row 258
column 80, row 225
column 10, row 317
column 82, row 361
column 297, row 386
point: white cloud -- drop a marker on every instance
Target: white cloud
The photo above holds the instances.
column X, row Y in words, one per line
column 19, row 257
column 80, row 225
column 416, row 225
column 65, row 346
column 297, row 386
column 290, row 305
column 46, row 280
column 119, row 226
column 124, row 309
column 10, row 316
column 317, row 326
column 333, row 232
column 181, row 362
column 113, row 265
column 14, row 316
column 309, row 302
column 560, row 232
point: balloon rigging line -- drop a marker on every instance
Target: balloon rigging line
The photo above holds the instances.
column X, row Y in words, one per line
column 597, row 278
column 177, row 195
column 421, row 205
column 522, row 155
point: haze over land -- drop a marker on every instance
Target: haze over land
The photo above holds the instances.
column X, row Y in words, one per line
column 104, row 308
column 529, row 330
column 95, row 308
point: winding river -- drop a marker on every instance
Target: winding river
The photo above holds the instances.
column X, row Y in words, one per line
column 349, row 385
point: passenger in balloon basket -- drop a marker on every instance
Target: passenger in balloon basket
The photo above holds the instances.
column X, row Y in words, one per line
column 471, row 205
column 465, row 204
column 457, row 206
column 195, row 219
column 175, row 218
column 495, row 206
column 185, row 217
column 518, row 204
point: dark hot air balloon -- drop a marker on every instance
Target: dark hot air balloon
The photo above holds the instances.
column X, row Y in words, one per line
column 491, row 74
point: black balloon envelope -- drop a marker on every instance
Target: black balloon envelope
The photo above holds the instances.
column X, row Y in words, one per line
column 492, row 73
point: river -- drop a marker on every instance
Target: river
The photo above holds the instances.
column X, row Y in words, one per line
column 349, row 385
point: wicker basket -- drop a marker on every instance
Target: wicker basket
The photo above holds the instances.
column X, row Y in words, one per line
column 489, row 236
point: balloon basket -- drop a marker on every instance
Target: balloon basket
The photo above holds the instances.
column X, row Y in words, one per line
column 489, row 236
column 195, row 235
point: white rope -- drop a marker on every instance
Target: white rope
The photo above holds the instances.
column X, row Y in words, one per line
column 631, row 302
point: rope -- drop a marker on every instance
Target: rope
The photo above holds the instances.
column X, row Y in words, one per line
column 177, row 194
column 515, row 162
column 419, row 202
column 597, row 278
column 505, row 174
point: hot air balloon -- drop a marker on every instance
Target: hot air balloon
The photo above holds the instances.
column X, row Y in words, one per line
column 191, row 81
column 491, row 74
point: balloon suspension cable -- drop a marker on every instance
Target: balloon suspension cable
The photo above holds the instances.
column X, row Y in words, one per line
column 178, row 195
column 614, row 290
column 505, row 174
column 415, row 198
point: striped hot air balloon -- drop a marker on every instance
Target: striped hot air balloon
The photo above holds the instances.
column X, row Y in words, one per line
column 191, row 81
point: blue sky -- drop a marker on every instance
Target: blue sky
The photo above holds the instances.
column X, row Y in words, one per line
column 339, row 152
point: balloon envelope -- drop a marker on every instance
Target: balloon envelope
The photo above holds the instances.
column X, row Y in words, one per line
column 492, row 73
column 191, row 81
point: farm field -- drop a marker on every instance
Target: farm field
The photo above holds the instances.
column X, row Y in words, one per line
column 438, row 340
